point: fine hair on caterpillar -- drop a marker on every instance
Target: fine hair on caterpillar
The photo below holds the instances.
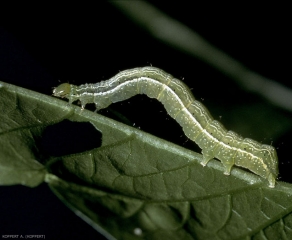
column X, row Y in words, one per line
column 195, row 120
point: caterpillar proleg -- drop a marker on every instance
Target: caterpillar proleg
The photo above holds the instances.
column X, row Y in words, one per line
column 195, row 120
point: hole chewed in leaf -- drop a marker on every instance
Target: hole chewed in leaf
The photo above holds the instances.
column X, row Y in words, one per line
column 69, row 137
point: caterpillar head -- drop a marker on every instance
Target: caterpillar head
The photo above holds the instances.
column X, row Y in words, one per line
column 63, row 90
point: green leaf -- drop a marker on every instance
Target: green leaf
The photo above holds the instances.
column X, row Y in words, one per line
column 21, row 121
column 136, row 186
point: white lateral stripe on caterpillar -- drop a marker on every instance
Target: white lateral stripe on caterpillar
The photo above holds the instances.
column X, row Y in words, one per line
column 194, row 118
column 118, row 88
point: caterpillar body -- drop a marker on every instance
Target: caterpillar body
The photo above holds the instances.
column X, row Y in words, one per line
column 197, row 123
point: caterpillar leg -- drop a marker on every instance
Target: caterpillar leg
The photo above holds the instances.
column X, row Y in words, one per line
column 227, row 164
column 272, row 180
column 206, row 157
column 228, row 168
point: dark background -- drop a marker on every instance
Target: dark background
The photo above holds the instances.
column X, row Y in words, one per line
column 43, row 45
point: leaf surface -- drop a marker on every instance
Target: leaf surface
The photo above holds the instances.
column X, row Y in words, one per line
column 136, row 186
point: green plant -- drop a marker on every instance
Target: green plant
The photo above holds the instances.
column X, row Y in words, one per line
column 136, row 185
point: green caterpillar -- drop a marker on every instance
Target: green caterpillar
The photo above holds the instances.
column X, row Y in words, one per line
column 197, row 123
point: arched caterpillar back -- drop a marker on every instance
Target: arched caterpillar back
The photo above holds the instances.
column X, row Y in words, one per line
column 194, row 118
